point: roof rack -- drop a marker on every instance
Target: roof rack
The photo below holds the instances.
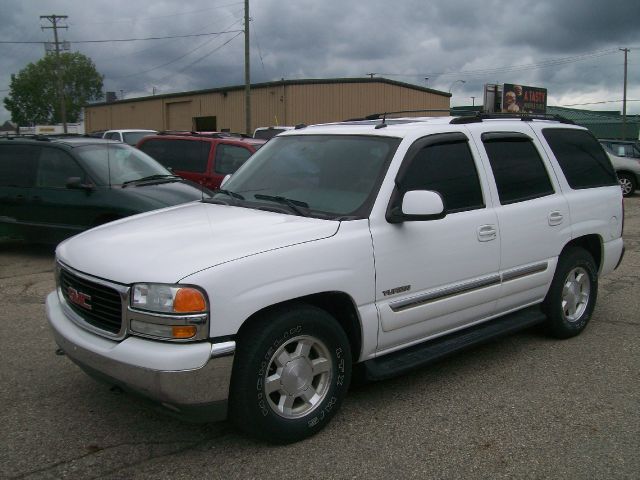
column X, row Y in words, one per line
column 29, row 136
column 383, row 124
column 525, row 117
column 201, row 134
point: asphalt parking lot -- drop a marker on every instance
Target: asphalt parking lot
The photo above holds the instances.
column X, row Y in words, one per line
column 522, row 407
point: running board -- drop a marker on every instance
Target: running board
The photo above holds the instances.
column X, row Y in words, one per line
column 402, row 361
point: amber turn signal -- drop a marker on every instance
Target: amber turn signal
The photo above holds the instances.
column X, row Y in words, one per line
column 183, row 331
column 189, row 300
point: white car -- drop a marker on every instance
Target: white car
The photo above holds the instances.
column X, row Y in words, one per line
column 383, row 245
column 130, row 136
column 267, row 133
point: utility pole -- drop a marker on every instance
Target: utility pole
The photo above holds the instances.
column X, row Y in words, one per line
column 473, row 99
column 247, row 72
column 624, row 96
column 54, row 19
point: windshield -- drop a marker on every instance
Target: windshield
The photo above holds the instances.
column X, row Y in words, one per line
column 117, row 163
column 327, row 175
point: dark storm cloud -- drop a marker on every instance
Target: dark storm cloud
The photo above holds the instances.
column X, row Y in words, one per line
column 406, row 40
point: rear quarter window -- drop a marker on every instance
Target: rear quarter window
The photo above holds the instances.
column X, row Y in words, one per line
column 582, row 159
column 179, row 155
column 18, row 164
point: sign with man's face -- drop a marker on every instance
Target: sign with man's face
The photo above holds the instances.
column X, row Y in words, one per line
column 523, row 99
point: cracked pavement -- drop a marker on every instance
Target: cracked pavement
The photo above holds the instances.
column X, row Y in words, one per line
column 525, row 406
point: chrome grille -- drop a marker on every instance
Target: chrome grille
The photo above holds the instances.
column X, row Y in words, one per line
column 102, row 310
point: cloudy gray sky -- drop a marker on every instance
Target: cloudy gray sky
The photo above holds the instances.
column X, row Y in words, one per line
column 570, row 47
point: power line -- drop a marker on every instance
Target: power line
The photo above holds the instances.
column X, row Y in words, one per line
column 596, row 103
column 132, row 39
column 512, row 68
column 177, row 58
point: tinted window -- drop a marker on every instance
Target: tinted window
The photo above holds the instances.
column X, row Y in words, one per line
column 230, row 158
column 267, row 134
column 134, row 137
column 55, row 167
column 517, row 168
column 18, row 165
column 448, row 169
column 582, row 160
column 179, row 155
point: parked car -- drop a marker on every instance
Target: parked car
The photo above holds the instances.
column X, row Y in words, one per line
column 203, row 157
column 628, row 171
column 129, row 136
column 267, row 133
column 380, row 245
column 52, row 188
column 622, row 148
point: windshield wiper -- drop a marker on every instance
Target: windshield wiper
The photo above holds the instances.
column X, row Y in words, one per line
column 291, row 203
column 150, row 178
column 228, row 193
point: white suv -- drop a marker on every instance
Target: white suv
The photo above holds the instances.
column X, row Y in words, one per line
column 382, row 245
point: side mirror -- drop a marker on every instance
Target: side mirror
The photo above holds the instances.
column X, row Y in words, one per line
column 225, row 179
column 75, row 183
column 417, row 205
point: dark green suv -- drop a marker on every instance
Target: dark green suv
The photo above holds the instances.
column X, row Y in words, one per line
column 52, row 188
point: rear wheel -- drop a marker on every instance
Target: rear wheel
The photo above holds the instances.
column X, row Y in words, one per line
column 572, row 295
column 291, row 373
column 627, row 183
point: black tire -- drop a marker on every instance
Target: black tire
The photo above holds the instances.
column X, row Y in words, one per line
column 272, row 347
column 572, row 296
column 627, row 183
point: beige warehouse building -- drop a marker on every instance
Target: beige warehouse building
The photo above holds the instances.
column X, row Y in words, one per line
column 285, row 102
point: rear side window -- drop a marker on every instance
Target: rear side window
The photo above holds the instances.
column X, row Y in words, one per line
column 518, row 170
column 55, row 168
column 448, row 169
column 230, row 158
column 18, row 165
column 581, row 158
column 179, row 155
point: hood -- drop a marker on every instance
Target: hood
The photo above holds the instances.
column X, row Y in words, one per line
column 167, row 245
column 164, row 194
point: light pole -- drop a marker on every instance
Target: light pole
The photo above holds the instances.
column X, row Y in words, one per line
column 473, row 100
column 454, row 82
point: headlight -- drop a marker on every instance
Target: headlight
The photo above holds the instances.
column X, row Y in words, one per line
column 167, row 298
column 168, row 312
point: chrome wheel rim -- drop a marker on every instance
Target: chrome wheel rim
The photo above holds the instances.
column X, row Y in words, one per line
column 626, row 185
column 298, row 377
column 575, row 294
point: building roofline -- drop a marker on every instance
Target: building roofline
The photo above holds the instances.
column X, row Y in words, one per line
column 277, row 83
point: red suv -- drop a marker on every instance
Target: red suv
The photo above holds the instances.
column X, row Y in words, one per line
column 203, row 157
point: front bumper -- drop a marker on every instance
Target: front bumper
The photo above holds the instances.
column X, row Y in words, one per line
column 191, row 380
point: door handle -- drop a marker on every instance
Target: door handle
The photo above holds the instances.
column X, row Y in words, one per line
column 555, row 218
column 487, row 233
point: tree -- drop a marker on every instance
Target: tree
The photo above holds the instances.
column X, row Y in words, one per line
column 33, row 94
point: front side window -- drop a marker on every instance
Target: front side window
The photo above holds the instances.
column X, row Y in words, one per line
column 328, row 175
column 448, row 169
column 179, row 155
column 115, row 163
column 582, row 160
column 230, row 158
column 18, row 165
column 55, row 167
column 517, row 167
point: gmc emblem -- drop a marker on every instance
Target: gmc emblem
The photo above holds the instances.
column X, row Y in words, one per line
column 79, row 298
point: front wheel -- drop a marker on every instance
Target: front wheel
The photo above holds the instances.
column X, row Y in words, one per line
column 572, row 295
column 291, row 373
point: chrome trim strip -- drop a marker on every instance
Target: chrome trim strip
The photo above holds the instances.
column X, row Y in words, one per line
column 442, row 293
column 223, row 349
column 524, row 271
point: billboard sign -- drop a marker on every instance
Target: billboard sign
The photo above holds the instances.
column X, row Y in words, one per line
column 523, row 99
